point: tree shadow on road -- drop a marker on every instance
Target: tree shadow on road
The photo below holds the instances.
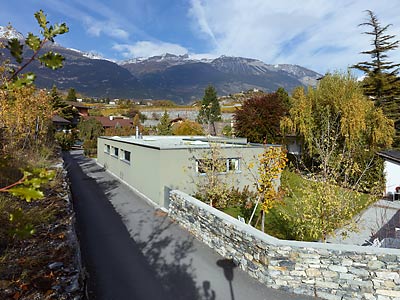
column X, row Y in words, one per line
column 168, row 256
column 388, row 230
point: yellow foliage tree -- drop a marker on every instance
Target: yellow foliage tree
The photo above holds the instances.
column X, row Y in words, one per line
column 342, row 130
column 321, row 208
column 25, row 117
column 215, row 182
column 187, row 127
column 270, row 166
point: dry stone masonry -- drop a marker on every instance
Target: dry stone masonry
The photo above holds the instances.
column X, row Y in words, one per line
column 328, row 271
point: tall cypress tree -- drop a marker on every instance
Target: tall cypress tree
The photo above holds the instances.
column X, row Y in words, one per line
column 381, row 81
column 210, row 110
column 164, row 127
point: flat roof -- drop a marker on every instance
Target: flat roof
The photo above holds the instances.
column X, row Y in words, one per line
column 183, row 142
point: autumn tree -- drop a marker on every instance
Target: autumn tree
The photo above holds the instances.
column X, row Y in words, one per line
column 342, row 130
column 319, row 209
column 259, row 118
column 270, row 165
column 215, row 182
column 25, row 112
column 187, row 127
column 132, row 112
column 25, row 117
column 164, row 126
column 120, row 131
column 210, row 110
column 381, row 81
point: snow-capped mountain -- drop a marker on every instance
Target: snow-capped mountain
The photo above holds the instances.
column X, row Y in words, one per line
column 8, row 33
column 238, row 66
column 183, row 78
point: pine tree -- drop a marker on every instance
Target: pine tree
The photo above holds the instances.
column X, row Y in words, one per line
column 164, row 127
column 284, row 97
column 71, row 95
column 210, row 110
column 56, row 101
column 381, row 82
column 60, row 107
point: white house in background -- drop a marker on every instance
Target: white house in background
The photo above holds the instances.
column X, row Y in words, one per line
column 392, row 171
column 153, row 165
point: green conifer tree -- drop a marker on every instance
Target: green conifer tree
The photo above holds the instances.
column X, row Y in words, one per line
column 164, row 126
column 382, row 82
column 71, row 95
column 210, row 110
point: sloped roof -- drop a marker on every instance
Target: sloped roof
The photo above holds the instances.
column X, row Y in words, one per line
column 77, row 104
column 393, row 155
column 58, row 119
column 106, row 122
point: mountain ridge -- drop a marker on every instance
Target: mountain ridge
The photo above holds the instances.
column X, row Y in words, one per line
column 180, row 78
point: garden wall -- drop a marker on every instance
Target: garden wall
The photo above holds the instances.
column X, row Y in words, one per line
column 327, row 271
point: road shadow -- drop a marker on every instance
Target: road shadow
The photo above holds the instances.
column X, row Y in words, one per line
column 227, row 266
column 168, row 255
column 388, row 230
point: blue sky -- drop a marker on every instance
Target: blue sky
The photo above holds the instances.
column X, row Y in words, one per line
column 318, row 34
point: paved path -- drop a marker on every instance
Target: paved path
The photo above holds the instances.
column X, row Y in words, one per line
column 377, row 221
column 132, row 251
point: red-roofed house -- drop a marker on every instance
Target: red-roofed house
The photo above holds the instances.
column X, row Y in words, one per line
column 111, row 122
column 83, row 110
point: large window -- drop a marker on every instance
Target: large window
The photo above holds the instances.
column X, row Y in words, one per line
column 222, row 165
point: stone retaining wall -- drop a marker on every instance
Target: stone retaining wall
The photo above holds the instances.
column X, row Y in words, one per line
column 327, row 271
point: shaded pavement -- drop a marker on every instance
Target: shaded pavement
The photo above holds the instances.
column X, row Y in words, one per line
column 132, row 251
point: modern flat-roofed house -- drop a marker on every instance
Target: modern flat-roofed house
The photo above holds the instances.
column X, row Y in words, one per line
column 153, row 165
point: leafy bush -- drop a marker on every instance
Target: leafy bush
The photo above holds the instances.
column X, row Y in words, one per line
column 65, row 140
column 245, row 200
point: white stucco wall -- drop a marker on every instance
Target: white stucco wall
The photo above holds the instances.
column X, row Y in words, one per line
column 392, row 174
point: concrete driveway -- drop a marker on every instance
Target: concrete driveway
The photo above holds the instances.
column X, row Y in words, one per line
column 133, row 251
column 378, row 221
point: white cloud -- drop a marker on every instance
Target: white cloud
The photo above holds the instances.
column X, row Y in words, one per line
column 147, row 49
column 96, row 28
column 322, row 35
column 197, row 11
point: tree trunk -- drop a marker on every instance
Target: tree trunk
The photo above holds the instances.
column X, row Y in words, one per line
column 262, row 221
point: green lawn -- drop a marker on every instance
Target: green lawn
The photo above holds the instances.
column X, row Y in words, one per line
column 274, row 224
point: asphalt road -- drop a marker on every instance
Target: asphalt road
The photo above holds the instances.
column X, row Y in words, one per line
column 132, row 251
